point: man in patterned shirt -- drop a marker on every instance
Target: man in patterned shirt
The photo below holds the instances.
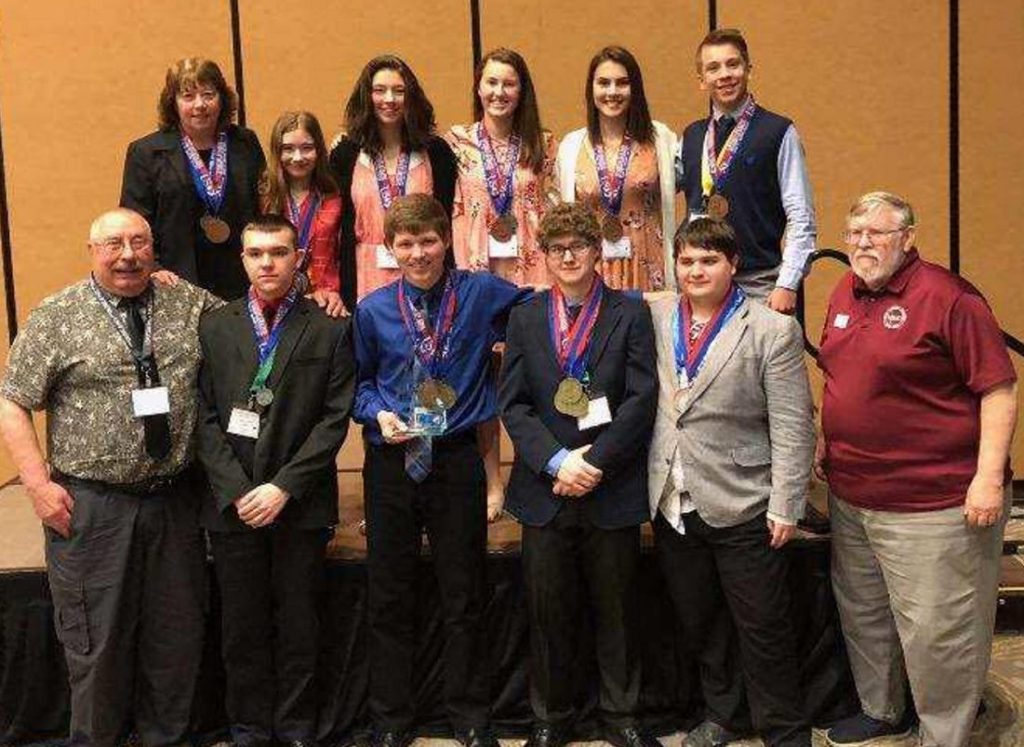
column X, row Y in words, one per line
column 113, row 361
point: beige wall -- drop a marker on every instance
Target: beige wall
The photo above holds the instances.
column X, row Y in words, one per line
column 865, row 80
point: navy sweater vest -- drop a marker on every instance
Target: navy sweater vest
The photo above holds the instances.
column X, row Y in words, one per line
column 751, row 186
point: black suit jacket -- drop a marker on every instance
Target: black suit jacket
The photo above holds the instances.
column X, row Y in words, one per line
column 157, row 183
column 313, row 381
column 445, row 174
column 622, row 367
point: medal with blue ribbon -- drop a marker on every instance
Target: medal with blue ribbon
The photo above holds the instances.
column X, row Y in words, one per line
column 572, row 343
column 500, row 180
column 431, row 345
column 267, row 340
column 210, row 184
column 612, row 186
column 692, row 352
column 387, row 188
column 715, row 166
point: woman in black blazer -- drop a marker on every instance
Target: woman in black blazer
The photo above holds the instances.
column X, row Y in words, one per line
column 195, row 179
column 389, row 149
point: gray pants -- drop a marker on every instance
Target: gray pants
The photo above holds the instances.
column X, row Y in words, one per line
column 917, row 597
column 129, row 592
column 758, row 284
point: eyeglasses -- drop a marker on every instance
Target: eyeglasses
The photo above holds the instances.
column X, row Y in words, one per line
column 576, row 248
column 873, row 236
column 116, row 244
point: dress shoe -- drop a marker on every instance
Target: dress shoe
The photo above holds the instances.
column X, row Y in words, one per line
column 483, row 737
column 393, row 739
column 631, row 736
column 709, row 734
column 862, row 729
column 545, row 735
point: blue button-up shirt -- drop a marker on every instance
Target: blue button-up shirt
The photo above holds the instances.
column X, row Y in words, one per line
column 384, row 349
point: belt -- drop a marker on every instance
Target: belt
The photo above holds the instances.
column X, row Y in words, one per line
column 146, row 487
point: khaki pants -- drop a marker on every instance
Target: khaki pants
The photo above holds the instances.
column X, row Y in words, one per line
column 917, row 595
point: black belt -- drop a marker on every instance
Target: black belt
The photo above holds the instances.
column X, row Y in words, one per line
column 146, row 487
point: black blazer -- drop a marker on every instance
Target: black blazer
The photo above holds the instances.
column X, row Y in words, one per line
column 622, row 367
column 443, row 169
column 313, row 381
column 157, row 183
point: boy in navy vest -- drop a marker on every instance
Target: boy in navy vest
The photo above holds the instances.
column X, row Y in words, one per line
column 745, row 164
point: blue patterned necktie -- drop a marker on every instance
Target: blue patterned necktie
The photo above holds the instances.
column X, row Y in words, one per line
column 419, row 458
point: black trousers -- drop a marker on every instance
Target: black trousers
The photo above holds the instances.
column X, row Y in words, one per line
column 571, row 567
column 452, row 505
column 270, row 581
column 129, row 593
column 727, row 584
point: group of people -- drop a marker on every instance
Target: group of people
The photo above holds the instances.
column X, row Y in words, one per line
column 240, row 312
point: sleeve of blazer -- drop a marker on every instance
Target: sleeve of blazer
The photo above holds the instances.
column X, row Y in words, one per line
column 790, row 422
column 138, row 192
column 321, row 446
column 444, row 172
column 225, row 473
column 533, row 441
column 620, row 444
column 343, row 162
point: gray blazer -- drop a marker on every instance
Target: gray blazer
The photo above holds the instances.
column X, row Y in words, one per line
column 744, row 430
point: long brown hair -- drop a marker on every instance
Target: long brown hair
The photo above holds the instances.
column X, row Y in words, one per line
column 526, row 119
column 275, row 182
column 638, row 117
column 361, row 122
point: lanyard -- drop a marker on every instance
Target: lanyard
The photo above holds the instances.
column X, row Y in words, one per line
column 144, row 359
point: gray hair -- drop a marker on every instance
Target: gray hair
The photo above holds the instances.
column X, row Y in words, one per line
column 873, row 200
column 97, row 225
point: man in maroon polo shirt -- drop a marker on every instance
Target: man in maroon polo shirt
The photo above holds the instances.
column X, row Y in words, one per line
column 918, row 413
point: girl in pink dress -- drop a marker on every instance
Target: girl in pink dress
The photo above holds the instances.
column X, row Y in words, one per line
column 621, row 166
column 299, row 186
column 389, row 149
column 505, row 165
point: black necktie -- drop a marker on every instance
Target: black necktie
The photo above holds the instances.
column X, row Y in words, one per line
column 156, row 427
column 723, row 127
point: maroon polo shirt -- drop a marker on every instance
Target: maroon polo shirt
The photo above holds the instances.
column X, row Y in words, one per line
column 905, row 368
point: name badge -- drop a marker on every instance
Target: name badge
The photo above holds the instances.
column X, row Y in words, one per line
column 385, row 259
column 598, row 413
column 502, row 249
column 620, row 249
column 841, row 321
column 151, row 401
column 244, row 423
column 696, row 215
column 428, row 421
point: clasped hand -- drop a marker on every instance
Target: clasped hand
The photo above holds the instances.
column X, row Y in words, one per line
column 576, row 476
column 261, row 505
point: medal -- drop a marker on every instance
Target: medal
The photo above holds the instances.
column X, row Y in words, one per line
column 264, row 397
column 387, row 188
column 266, row 339
column 504, row 228
column 571, row 399
column 435, row 392
column 431, row 346
column 692, row 341
column 718, row 207
column 611, row 228
column 216, row 230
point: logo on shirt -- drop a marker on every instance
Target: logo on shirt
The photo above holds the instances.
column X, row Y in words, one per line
column 894, row 317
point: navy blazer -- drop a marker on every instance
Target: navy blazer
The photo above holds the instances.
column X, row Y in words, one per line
column 157, row 184
column 621, row 365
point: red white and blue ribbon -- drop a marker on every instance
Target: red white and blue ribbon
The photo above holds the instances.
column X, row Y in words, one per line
column 612, row 185
column 718, row 163
column 267, row 338
column 691, row 354
column 210, row 181
column 499, row 177
column 302, row 216
column 390, row 189
column 431, row 345
column 572, row 341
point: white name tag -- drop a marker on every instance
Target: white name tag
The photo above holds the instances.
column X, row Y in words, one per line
column 841, row 321
column 385, row 259
column 598, row 413
column 244, row 423
column 620, row 249
column 502, row 249
column 152, row 401
column 695, row 216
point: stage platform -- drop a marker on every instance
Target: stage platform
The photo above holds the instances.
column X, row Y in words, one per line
column 33, row 692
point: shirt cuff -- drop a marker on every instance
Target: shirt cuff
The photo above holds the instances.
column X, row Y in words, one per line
column 781, row 519
column 789, row 278
column 555, row 462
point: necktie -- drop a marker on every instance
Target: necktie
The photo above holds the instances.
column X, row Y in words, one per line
column 156, row 427
column 723, row 127
column 419, row 457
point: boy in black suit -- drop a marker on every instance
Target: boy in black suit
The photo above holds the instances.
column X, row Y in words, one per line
column 578, row 394
column 276, row 390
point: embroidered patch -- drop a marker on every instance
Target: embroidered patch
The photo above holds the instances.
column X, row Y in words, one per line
column 894, row 317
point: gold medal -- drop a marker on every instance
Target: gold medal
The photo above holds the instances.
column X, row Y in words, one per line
column 718, row 207
column 611, row 228
column 215, row 229
column 571, row 399
column 446, row 394
column 504, row 228
column 432, row 393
